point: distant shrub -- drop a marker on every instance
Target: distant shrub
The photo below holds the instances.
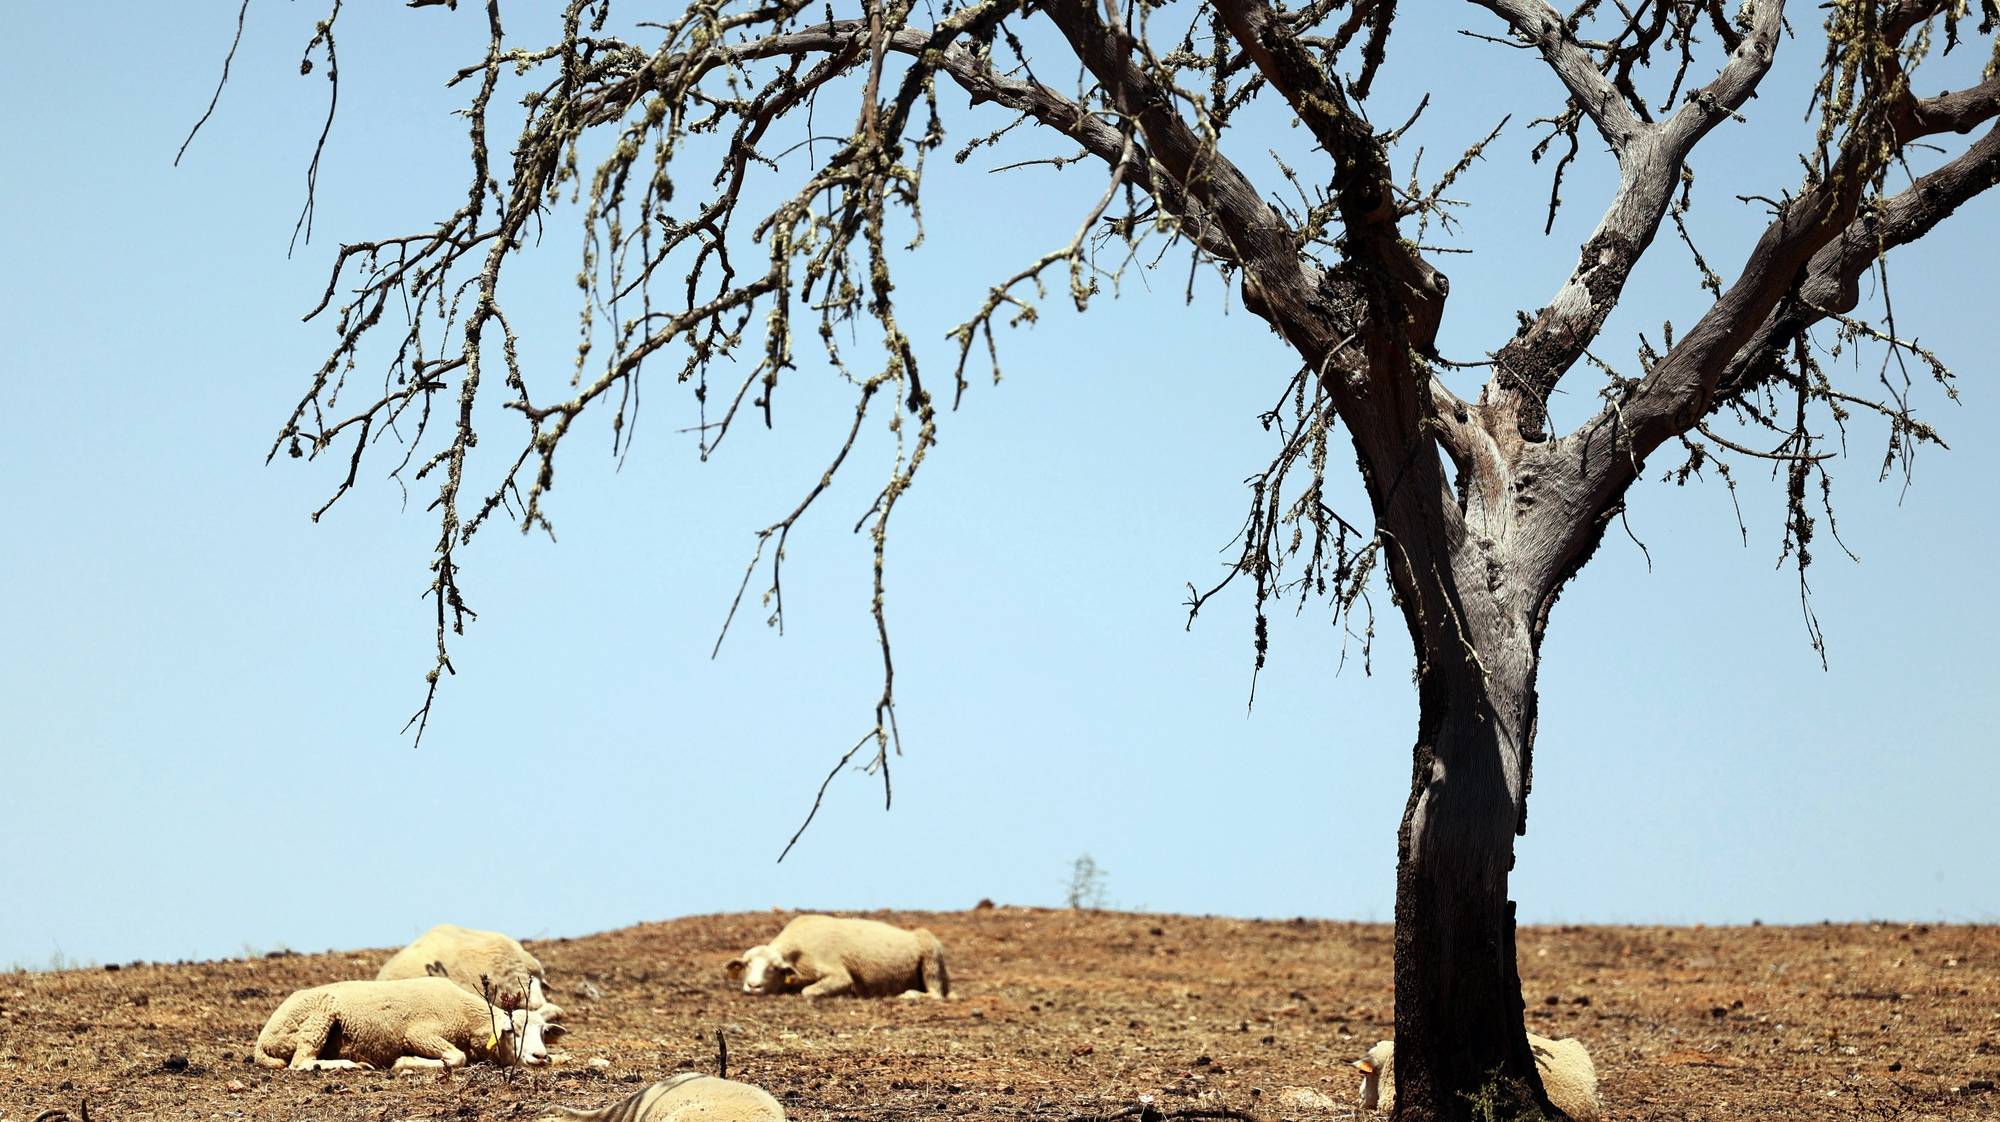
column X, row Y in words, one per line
column 1086, row 884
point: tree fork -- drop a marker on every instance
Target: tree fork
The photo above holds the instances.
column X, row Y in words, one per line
column 1467, row 579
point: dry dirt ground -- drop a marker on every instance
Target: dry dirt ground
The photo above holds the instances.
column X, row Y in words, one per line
column 1058, row 1014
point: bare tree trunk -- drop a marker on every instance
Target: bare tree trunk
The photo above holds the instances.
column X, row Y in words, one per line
column 1459, row 1015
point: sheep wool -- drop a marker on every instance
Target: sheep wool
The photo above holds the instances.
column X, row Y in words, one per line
column 404, row 1024
column 687, row 1097
column 826, row 956
column 1567, row 1075
column 462, row 955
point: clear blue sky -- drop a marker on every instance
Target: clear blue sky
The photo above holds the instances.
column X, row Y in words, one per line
column 203, row 692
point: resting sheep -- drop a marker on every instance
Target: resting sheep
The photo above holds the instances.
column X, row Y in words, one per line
column 463, row 955
column 825, row 956
column 1565, row 1067
column 687, row 1097
column 405, row 1024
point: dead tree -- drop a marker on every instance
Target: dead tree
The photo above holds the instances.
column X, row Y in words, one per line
column 1480, row 512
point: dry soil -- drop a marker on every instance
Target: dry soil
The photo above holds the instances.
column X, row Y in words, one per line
column 1057, row 1014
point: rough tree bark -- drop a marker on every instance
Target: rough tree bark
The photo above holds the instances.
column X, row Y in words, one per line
column 1481, row 512
column 1458, row 992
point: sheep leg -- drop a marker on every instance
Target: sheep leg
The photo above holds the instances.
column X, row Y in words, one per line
column 308, row 1036
column 937, row 983
column 429, row 1050
column 831, row 985
column 263, row 1057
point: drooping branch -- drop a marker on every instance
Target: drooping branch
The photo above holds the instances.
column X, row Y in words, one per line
column 664, row 280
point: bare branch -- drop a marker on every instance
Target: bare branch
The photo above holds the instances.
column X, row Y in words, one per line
column 1363, row 183
column 1831, row 287
column 242, row 12
column 1825, row 233
column 1535, row 22
column 1651, row 160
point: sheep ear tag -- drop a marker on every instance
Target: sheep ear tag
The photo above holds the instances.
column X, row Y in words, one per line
column 492, row 1039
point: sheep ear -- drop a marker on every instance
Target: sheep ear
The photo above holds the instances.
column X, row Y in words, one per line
column 552, row 1030
column 734, row 970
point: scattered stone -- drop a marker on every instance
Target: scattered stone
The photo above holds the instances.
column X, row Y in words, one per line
column 1305, row 1098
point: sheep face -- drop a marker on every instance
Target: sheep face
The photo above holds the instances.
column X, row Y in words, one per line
column 1371, row 1068
column 521, row 1037
column 761, row 972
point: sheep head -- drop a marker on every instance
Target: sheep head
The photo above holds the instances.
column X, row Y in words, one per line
column 520, row 1036
column 761, row 971
column 1376, row 1068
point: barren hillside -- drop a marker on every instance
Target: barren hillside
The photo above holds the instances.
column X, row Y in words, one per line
column 1058, row 1014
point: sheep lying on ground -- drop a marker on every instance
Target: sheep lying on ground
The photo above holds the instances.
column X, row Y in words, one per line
column 687, row 1097
column 1565, row 1067
column 824, row 956
column 403, row 1024
column 463, row 955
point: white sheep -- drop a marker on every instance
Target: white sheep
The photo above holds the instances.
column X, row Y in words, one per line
column 463, row 955
column 687, row 1097
column 1565, row 1067
column 403, row 1024
column 824, row 956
